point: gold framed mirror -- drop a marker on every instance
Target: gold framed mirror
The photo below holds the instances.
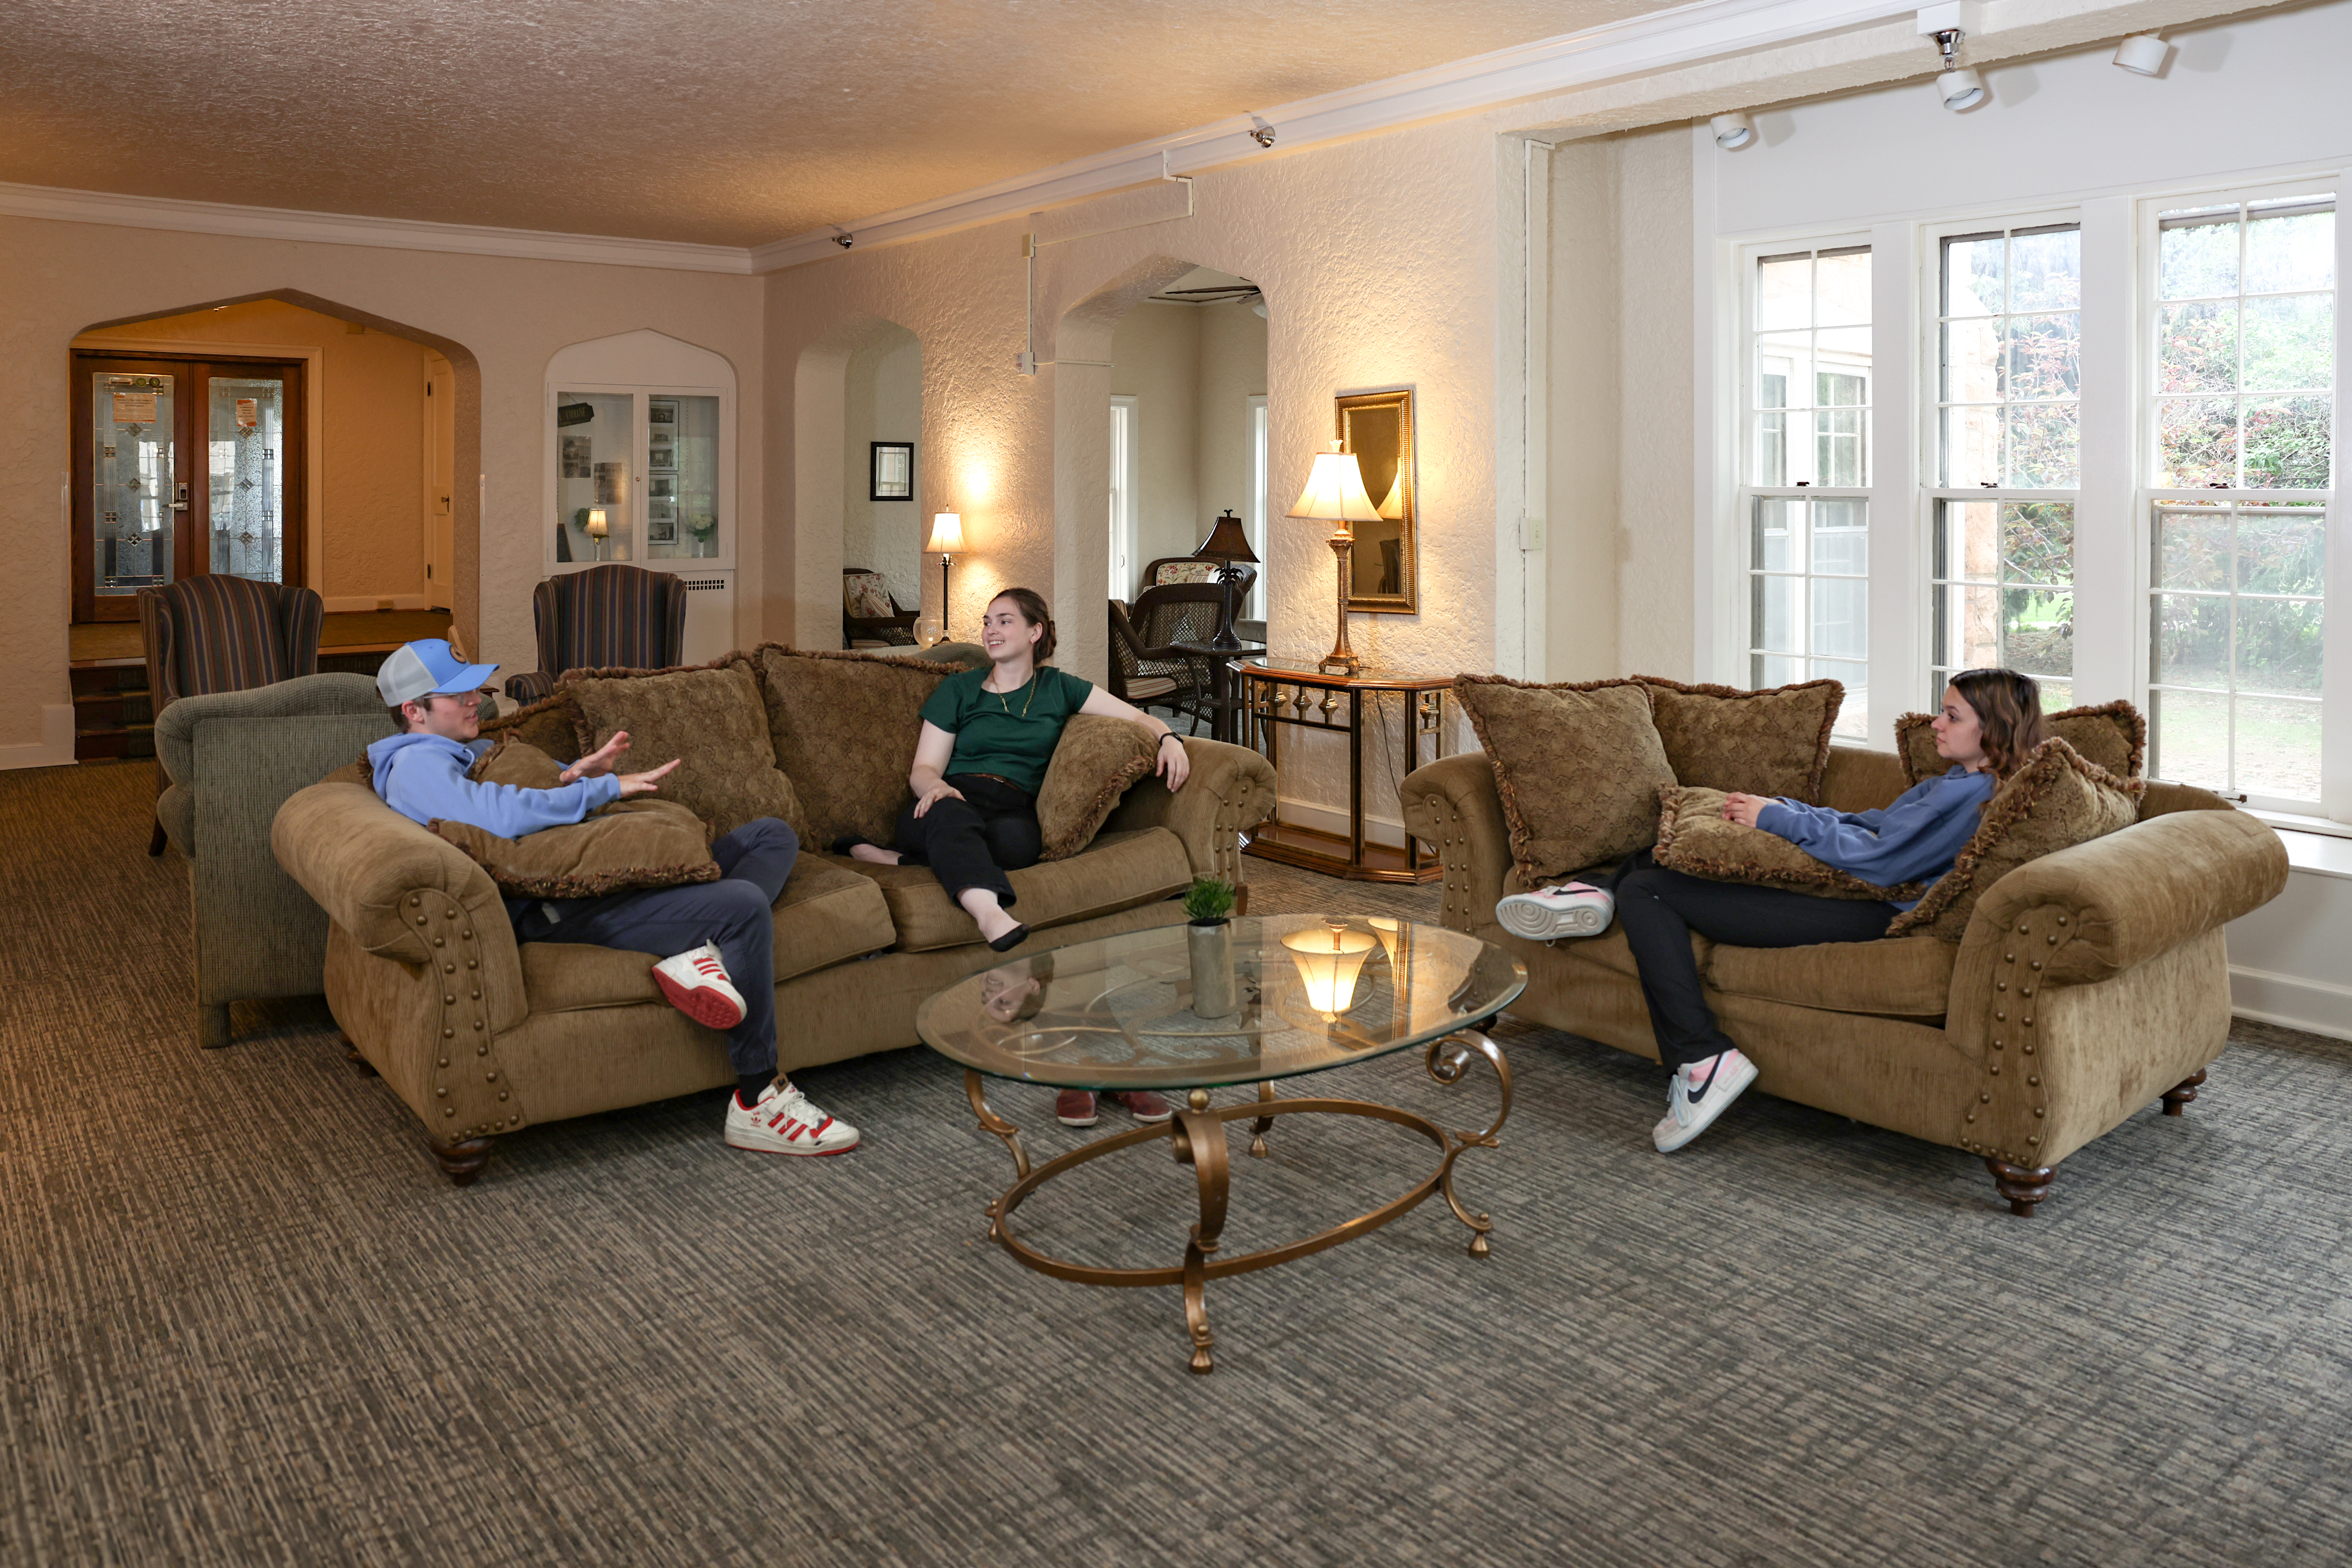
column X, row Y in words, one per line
column 1377, row 426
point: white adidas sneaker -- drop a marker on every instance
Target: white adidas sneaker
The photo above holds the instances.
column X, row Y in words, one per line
column 1572, row 908
column 784, row 1122
column 695, row 983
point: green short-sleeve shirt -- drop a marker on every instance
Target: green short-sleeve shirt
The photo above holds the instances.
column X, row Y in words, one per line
column 1011, row 734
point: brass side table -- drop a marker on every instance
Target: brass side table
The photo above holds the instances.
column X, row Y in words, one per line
column 1274, row 698
column 1310, row 993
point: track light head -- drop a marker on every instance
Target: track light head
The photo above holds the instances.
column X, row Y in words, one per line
column 1960, row 87
column 1733, row 131
column 2144, row 53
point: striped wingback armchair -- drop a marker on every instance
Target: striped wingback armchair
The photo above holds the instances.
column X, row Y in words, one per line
column 216, row 633
column 607, row 618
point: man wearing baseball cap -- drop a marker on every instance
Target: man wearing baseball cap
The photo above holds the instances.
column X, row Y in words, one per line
column 720, row 935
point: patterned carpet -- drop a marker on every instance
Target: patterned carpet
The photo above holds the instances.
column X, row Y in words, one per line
column 243, row 1319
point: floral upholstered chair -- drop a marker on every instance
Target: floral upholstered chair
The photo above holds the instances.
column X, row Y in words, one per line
column 870, row 617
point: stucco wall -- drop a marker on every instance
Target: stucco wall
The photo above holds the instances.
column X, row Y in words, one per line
column 1232, row 370
column 370, row 392
column 500, row 318
column 884, row 401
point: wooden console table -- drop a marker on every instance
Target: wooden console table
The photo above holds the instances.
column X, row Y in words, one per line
column 1273, row 697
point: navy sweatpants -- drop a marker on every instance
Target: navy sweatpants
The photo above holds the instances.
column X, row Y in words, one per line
column 736, row 913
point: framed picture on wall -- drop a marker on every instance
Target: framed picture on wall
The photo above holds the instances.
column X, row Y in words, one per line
column 894, row 470
column 578, row 452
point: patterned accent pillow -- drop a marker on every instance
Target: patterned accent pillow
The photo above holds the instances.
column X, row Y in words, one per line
column 712, row 718
column 630, row 843
column 866, row 596
column 1184, row 572
column 1578, row 767
column 844, row 727
column 1696, row 839
column 2055, row 801
column 1094, row 763
column 2111, row 735
column 551, row 724
column 1775, row 741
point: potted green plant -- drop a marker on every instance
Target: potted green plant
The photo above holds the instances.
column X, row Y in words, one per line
column 1209, row 939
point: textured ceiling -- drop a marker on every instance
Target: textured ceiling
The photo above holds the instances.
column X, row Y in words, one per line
column 723, row 122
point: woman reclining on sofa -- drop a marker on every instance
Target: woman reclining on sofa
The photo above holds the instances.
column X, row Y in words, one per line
column 1991, row 719
column 987, row 736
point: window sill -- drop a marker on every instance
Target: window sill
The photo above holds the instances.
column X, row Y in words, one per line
column 2290, row 822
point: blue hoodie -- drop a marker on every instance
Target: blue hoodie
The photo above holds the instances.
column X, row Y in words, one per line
column 1915, row 839
column 422, row 777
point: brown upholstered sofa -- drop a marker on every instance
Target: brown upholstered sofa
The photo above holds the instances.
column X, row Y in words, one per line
column 481, row 1036
column 2089, row 984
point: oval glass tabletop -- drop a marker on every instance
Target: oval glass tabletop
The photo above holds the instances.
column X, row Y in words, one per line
column 1310, row 991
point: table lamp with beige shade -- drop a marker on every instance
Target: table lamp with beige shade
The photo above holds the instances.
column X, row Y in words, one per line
column 599, row 525
column 1335, row 494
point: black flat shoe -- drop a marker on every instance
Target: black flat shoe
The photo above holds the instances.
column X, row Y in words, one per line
column 848, row 841
column 1009, row 940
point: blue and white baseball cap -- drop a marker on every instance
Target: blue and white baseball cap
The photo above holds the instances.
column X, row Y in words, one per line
column 427, row 669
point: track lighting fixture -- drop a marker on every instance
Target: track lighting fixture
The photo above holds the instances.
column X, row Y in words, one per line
column 1261, row 132
column 844, row 240
column 2143, row 53
column 1733, row 131
column 1960, row 87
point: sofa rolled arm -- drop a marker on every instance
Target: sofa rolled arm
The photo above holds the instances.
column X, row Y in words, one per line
column 1228, row 791
column 1453, row 805
column 364, row 863
column 2120, row 900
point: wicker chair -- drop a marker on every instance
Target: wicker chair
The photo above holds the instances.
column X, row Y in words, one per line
column 217, row 633
column 1146, row 668
column 864, row 592
column 610, row 616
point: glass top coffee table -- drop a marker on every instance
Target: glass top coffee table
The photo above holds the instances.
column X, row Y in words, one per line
column 1308, row 993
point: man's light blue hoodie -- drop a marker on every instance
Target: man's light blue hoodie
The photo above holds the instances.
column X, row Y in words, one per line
column 1917, row 836
column 422, row 777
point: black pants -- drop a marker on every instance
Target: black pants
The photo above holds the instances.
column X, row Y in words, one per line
column 973, row 842
column 1659, row 909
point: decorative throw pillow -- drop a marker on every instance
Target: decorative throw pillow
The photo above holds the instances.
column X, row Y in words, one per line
column 844, row 727
column 1695, row 837
column 630, row 843
column 1775, row 741
column 552, row 723
column 516, row 762
column 361, row 771
column 1578, row 765
column 2111, row 735
column 2055, row 801
column 710, row 718
column 1094, row 763
column 1184, row 572
column 866, row 596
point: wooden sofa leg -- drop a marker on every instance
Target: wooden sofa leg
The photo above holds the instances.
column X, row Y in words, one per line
column 461, row 1160
column 2022, row 1185
column 212, row 1025
column 2181, row 1093
column 352, row 1053
column 156, row 840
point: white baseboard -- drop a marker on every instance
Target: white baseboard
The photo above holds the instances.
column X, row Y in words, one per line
column 359, row 603
column 2292, row 1001
column 55, row 747
column 1334, row 819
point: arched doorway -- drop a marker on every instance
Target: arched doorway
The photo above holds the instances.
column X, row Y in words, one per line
column 861, row 504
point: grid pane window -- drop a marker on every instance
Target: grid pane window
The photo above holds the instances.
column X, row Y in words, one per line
column 2245, row 336
column 1809, row 597
column 2003, row 576
column 2011, row 329
column 2234, row 647
column 1808, row 456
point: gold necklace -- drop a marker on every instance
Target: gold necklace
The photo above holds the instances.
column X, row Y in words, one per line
column 1003, row 699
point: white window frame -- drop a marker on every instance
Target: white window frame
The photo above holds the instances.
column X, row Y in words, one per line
column 2335, row 690
column 1126, row 478
column 1746, row 416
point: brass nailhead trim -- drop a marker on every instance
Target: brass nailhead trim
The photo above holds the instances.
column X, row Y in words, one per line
column 2035, row 1079
column 2041, row 1110
column 436, row 940
column 448, row 1033
column 1984, row 1099
column 448, row 1111
column 412, row 901
column 441, row 1093
column 449, row 999
column 444, row 1061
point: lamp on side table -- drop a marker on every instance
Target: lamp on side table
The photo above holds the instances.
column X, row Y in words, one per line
column 1335, row 494
column 1229, row 547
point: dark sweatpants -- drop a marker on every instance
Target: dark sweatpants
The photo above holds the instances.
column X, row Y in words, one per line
column 736, row 913
column 973, row 842
column 1659, row 909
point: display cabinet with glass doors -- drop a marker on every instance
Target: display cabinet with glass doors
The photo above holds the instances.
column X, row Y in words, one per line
column 638, row 477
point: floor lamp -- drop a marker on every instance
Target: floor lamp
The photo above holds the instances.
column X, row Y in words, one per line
column 1335, row 494
column 947, row 539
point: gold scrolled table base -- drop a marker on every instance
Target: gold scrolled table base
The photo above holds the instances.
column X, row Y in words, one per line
column 1197, row 1134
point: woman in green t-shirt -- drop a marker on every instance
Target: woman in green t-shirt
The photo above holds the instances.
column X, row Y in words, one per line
column 987, row 736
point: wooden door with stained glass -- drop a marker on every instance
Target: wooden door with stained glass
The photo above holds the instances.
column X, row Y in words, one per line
column 182, row 467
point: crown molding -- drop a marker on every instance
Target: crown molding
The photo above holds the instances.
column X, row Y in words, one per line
column 1635, row 47
column 336, row 229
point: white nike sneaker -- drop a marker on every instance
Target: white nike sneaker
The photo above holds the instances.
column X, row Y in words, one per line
column 1572, row 908
column 1690, row 1113
column 695, row 983
column 784, row 1122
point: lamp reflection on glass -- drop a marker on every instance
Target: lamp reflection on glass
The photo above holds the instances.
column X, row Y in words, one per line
column 598, row 526
column 1329, row 961
column 1397, row 937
